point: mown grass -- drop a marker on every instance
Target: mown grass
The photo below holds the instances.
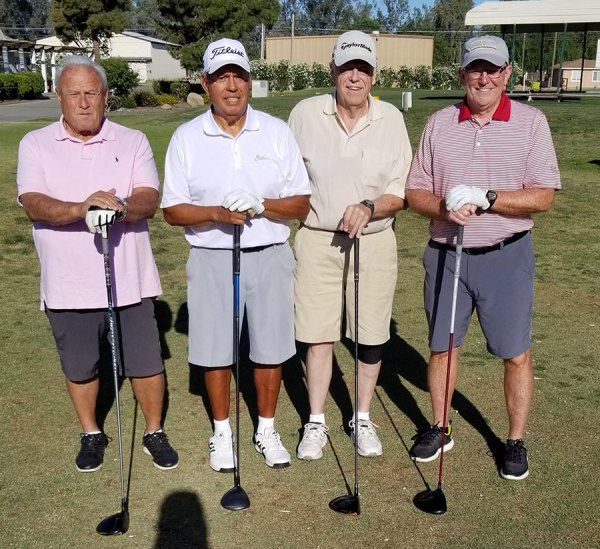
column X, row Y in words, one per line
column 45, row 503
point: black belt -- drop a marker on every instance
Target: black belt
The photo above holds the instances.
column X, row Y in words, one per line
column 258, row 248
column 482, row 250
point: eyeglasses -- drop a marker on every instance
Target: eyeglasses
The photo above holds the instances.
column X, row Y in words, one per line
column 475, row 74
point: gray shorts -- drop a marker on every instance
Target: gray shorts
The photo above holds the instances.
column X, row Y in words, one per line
column 498, row 285
column 266, row 296
column 79, row 335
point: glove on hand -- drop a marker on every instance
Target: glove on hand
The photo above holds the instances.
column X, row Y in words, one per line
column 464, row 194
column 242, row 201
column 98, row 219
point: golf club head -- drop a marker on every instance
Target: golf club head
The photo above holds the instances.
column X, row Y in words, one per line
column 235, row 499
column 115, row 524
column 348, row 505
column 431, row 501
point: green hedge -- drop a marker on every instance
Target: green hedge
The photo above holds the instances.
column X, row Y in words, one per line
column 21, row 85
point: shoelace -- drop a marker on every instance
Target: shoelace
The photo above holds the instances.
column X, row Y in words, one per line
column 365, row 425
column 271, row 440
column 157, row 440
column 219, row 440
column 89, row 443
column 315, row 431
column 515, row 453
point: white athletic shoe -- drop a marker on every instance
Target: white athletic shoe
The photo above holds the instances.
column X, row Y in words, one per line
column 221, row 456
column 313, row 441
column 269, row 445
column 369, row 444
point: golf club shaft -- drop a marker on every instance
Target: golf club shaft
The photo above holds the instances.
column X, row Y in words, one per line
column 459, row 241
column 356, row 265
column 236, row 343
column 113, row 349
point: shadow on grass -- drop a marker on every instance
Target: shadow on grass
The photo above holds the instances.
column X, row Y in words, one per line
column 181, row 523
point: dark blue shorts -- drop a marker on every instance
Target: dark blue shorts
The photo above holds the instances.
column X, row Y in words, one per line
column 498, row 285
column 79, row 335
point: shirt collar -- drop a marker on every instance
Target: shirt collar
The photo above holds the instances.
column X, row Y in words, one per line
column 106, row 133
column 502, row 112
column 210, row 126
column 375, row 113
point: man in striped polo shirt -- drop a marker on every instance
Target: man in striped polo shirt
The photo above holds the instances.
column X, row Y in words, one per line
column 488, row 164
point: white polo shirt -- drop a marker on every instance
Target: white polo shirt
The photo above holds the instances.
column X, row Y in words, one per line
column 204, row 164
column 345, row 168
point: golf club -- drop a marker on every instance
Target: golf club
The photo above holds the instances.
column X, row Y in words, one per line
column 119, row 522
column 434, row 501
column 350, row 503
column 236, row 499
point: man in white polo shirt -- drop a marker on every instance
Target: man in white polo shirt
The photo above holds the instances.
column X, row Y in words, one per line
column 357, row 154
column 488, row 164
column 236, row 166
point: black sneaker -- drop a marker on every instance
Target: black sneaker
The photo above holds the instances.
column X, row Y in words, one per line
column 91, row 453
column 428, row 443
column 163, row 454
column 515, row 465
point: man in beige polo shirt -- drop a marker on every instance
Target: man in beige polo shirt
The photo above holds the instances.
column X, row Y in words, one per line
column 357, row 154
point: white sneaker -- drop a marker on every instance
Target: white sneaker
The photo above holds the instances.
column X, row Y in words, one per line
column 369, row 444
column 221, row 456
column 269, row 445
column 313, row 441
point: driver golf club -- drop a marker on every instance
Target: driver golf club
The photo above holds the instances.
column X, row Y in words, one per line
column 350, row 503
column 236, row 499
column 119, row 522
column 434, row 501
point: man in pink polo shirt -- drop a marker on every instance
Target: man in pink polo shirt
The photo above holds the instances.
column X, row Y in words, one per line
column 64, row 169
column 488, row 164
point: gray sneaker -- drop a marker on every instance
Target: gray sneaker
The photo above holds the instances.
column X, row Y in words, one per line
column 313, row 441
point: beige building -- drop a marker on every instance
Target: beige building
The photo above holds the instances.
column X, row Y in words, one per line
column 571, row 75
column 393, row 50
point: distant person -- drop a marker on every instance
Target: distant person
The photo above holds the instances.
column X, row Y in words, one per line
column 85, row 160
column 357, row 154
column 488, row 164
column 231, row 166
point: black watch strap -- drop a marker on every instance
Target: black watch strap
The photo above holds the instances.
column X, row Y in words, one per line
column 369, row 204
column 491, row 197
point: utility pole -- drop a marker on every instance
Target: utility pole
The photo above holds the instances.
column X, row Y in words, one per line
column 262, row 42
column 292, row 39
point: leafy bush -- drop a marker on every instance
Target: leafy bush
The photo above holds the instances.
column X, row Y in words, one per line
column 387, row 78
column 281, row 76
column 146, row 99
column 121, row 78
column 22, row 85
column 179, row 89
column 300, row 76
column 166, row 99
column 421, row 77
column 321, row 77
column 113, row 103
column 260, row 70
column 445, row 78
column 128, row 102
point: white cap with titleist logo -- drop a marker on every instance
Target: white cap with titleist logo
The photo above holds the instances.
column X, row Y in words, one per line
column 354, row 46
column 225, row 52
column 486, row 48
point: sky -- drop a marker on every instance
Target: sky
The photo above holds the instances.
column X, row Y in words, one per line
column 429, row 3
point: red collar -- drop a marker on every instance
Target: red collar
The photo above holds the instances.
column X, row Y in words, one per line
column 502, row 113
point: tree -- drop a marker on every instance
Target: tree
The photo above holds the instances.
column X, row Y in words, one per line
column 121, row 78
column 449, row 19
column 195, row 23
column 97, row 20
column 397, row 14
column 143, row 17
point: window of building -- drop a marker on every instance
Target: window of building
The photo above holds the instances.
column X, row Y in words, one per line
column 596, row 76
column 576, row 75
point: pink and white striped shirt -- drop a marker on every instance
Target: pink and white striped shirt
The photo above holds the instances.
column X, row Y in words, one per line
column 513, row 151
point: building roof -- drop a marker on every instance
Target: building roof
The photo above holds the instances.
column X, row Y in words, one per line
column 139, row 36
column 537, row 15
column 576, row 64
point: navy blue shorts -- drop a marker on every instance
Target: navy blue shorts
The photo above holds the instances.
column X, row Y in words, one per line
column 79, row 335
column 498, row 285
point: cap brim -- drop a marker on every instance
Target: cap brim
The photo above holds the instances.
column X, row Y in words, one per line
column 224, row 63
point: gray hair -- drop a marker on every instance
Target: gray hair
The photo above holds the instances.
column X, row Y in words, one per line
column 80, row 61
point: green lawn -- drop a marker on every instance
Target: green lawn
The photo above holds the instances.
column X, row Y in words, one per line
column 45, row 503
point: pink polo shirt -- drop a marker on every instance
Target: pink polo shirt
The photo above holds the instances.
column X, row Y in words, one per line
column 58, row 165
column 512, row 151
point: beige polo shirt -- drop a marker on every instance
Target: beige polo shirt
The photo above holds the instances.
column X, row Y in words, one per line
column 374, row 159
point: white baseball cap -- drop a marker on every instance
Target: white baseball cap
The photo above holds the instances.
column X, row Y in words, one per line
column 353, row 46
column 487, row 48
column 225, row 52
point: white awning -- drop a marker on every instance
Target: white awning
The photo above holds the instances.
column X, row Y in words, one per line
column 537, row 15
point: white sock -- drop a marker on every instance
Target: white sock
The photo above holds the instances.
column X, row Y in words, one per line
column 222, row 426
column 364, row 415
column 92, row 432
column 265, row 423
column 159, row 430
column 317, row 418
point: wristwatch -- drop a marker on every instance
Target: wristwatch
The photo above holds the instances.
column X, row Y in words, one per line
column 369, row 204
column 491, row 197
column 122, row 214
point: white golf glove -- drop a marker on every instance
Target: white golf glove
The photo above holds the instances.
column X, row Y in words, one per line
column 242, row 201
column 464, row 194
column 98, row 219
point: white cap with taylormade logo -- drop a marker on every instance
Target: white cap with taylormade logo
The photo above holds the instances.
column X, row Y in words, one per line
column 353, row 46
column 486, row 48
column 225, row 52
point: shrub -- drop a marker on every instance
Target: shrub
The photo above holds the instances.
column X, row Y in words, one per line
column 404, row 77
column 146, row 99
column 300, row 76
column 281, row 75
column 387, row 78
column 261, row 70
column 121, row 78
column 128, row 102
column 445, row 78
column 321, row 77
column 179, row 89
column 113, row 103
column 166, row 99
